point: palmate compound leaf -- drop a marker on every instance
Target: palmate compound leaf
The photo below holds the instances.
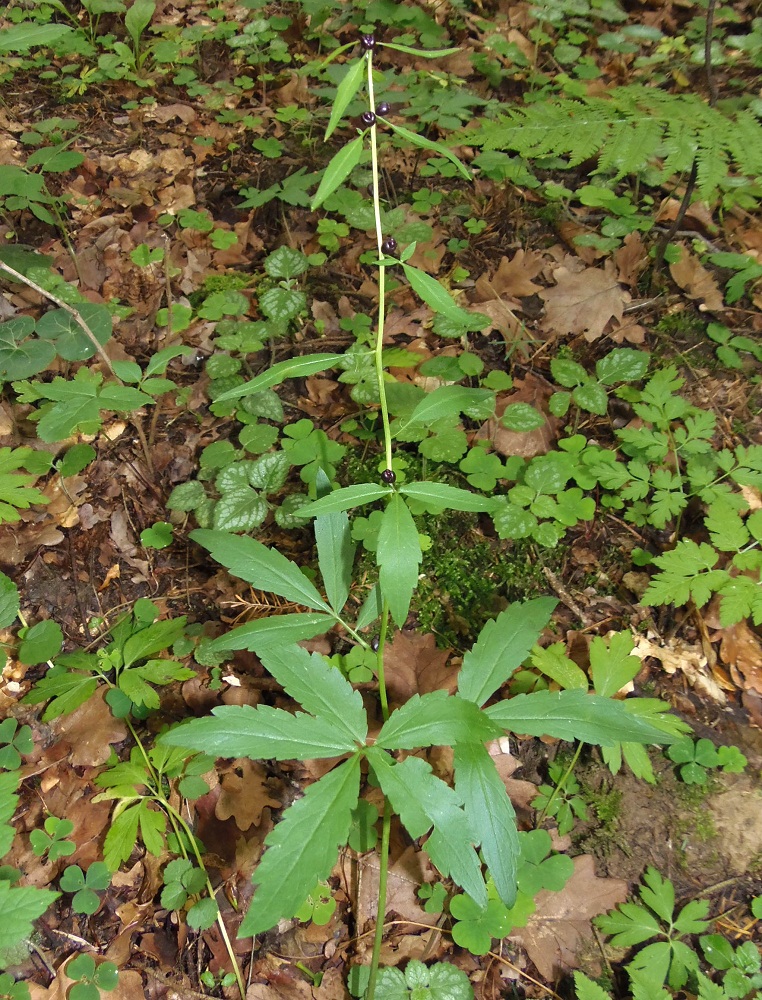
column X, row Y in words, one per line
column 574, row 715
column 423, row 801
column 303, row 848
column 502, row 646
column 267, row 569
column 261, row 733
column 319, row 688
column 491, row 814
column 435, row 719
column 441, row 981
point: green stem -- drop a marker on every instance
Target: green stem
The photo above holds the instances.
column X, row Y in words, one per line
column 559, row 786
column 383, row 871
column 380, row 661
column 383, row 696
column 379, row 350
column 177, row 817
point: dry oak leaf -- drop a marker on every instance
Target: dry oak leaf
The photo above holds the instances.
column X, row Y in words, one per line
column 630, row 259
column 561, row 921
column 536, row 392
column 585, row 302
column 697, row 283
column 246, row 794
column 513, row 278
column 741, row 649
column 90, row 729
column 406, row 874
column 414, row 665
column 689, row 659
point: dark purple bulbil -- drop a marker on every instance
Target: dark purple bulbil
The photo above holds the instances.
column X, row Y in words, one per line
column 389, row 245
column 388, row 476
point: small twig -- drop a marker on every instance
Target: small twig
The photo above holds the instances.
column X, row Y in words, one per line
column 17, row 276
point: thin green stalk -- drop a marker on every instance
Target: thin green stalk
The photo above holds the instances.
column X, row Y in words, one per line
column 380, row 661
column 379, row 350
column 177, row 817
column 383, row 871
column 560, row 785
column 178, row 822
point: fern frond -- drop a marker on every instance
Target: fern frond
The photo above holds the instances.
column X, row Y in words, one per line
column 631, row 128
column 712, row 168
column 678, row 150
column 630, row 144
column 742, row 142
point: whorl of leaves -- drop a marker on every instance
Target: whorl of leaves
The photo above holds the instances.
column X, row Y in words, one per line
column 633, row 127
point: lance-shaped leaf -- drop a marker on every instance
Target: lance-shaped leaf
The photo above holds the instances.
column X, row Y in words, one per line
column 371, row 609
column 503, row 645
column 423, row 801
column 344, row 499
column 452, row 400
column 319, row 688
column 424, row 143
column 336, row 551
column 435, row 719
column 491, row 814
column 423, row 53
column 399, row 554
column 447, row 497
column 267, row 569
column 337, row 171
column 431, row 291
column 574, row 715
column 261, row 733
column 277, row 373
column 303, row 848
column 278, row 630
column 345, row 93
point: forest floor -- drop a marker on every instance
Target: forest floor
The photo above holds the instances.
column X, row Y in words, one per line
column 155, row 150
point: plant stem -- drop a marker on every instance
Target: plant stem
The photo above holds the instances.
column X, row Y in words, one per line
column 176, row 817
column 380, row 661
column 559, row 786
column 379, row 350
column 383, row 871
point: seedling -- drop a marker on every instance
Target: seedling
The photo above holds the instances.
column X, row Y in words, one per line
column 86, row 886
column 91, row 978
column 52, row 840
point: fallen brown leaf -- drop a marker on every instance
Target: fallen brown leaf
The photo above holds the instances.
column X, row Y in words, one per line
column 535, row 391
column 416, row 666
column 689, row 274
column 562, row 920
column 246, row 792
column 513, row 278
column 584, row 303
column 741, row 649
